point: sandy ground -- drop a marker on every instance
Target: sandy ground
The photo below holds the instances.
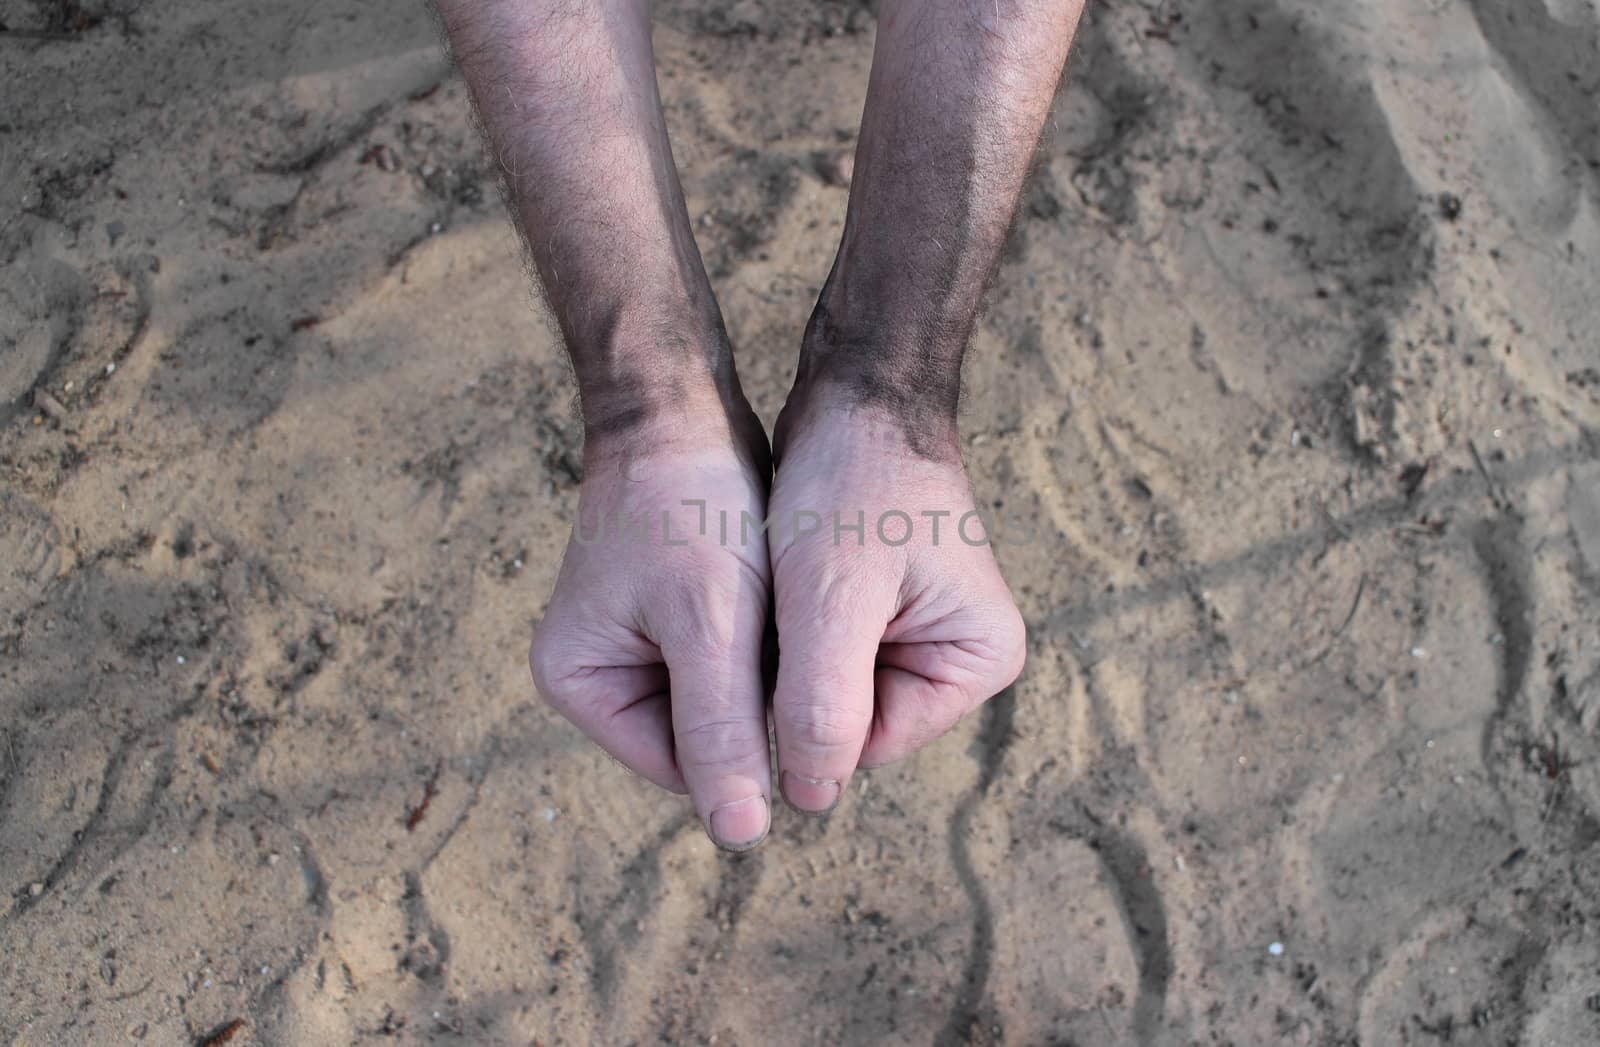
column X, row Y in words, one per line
column 1293, row 358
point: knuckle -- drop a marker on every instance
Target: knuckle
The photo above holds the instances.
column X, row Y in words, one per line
column 826, row 726
column 833, row 598
column 707, row 635
column 707, row 624
column 1001, row 646
column 720, row 744
column 551, row 674
column 1012, row 644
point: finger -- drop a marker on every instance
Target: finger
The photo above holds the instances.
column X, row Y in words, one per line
column 623, row 709
column 822, row 707
column 913, row 712
column 719, row 722
column 924, row 689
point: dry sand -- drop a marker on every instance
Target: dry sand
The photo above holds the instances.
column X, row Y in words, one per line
column 1293, row 357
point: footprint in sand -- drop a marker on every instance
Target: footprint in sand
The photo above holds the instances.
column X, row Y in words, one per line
column 1070, row 942
column 1450, row 979
column 30, row 551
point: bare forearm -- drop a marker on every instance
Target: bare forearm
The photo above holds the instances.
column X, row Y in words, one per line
column 567, row 94
column 959, row 93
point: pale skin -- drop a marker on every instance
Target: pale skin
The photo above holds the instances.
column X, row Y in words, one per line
column 654, row 648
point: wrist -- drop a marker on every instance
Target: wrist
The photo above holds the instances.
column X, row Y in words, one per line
column 637, row 364
column 667, row 394
column 880, row 369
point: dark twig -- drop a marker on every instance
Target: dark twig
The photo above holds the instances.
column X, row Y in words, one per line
column 1350, row 616
column 1355, row 605
column 415, row 815
column 1496, row 495
column 223, row 1034
column 131, row 993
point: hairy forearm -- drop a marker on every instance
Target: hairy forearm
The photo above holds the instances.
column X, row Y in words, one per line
column 567, row 95
column 959, row 93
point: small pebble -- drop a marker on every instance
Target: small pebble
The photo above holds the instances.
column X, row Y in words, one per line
column 1419, row 652
column 1276, row 948
column 836, row 169
column 111, row 368
column 48, row 404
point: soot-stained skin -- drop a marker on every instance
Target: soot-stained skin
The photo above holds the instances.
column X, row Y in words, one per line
column 958, row 95
column 919, row 390
column 566, row 93
column 623, row 391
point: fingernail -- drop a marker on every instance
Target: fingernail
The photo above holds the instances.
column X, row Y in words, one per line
column 740, row 825
column 811, row 795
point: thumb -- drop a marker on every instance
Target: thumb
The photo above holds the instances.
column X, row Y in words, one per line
column 822, row 707
column 719, row 725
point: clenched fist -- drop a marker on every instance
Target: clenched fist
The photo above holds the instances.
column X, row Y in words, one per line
column 652, row 641
column 893, row 620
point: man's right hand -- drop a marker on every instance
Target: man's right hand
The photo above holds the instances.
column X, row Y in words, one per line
column 893, row 620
